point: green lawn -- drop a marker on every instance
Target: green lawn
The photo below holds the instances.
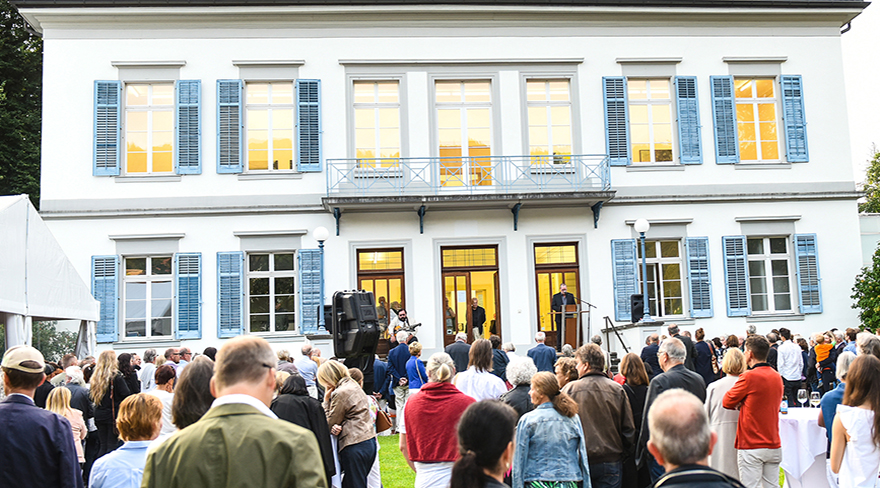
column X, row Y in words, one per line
column 395, row 472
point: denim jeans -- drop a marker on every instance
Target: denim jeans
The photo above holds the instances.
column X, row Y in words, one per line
column 356, row 461
column 606, row 475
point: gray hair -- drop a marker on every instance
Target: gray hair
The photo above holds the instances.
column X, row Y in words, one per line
column 679, row 427
column 150, row 355
column 868, row 343
column 843, row 361
column 520, row 371
column 540, row 336
column 75, row 375
column 596, row 339
column 283, row 355
column 752, row 329
column 673, row 329
column 402, row 335
column 508, row 346
column 461, row 336
column 839, row 336
column 306, row 349
column 567, row 351
column 673, row 348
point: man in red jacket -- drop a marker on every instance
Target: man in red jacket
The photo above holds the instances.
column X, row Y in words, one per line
column 757, row 394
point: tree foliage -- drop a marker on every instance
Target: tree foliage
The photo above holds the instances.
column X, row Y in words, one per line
column 21, row 67
column 871, row 187
column 50, row 341
column 866, row 293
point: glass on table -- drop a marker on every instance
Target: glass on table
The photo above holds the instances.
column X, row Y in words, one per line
column 814, row 399
column 802, row 397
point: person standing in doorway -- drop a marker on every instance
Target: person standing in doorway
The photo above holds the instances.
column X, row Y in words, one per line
column 558, row 304
column 478, row 318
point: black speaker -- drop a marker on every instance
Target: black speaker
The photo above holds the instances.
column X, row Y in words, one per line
column 637, row 305
column 355, row 325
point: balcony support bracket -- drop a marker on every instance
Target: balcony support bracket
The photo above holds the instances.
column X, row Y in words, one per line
column 422, row 210
column 515, row 211
column 596, row 208
column 337, row 213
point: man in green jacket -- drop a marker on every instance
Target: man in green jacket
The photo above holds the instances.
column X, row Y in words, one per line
column 239, row 442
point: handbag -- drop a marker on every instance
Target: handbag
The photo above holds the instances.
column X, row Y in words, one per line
column 714, row 358
column 383, row 421
column 113, row 407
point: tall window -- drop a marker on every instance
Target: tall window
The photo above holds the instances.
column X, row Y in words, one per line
column 148, row 296
column 271, row 292
column 377, row 122
column 381, row 272
column 756, row 119
column 555, row 264
column 549, row 109
column 149, row 128
column 270, row 126
column 464, row 121
column 650, row 120
column 664, row 266
column 769, row 274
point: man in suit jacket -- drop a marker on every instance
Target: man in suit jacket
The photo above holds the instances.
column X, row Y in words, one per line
column 543, row 356
column 36, row 448
column 675, row 375
column 688, row 345
column 239, row 442
column 459, row 351
column 649, row 355
column 478, row 318
column 560, row 300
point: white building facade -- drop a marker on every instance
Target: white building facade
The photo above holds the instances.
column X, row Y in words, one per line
column 455, row 151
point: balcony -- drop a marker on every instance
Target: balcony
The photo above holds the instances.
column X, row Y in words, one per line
column 456, row 183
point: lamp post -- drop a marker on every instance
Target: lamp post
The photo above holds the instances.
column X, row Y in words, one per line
column 321, row 234
column 641, row 226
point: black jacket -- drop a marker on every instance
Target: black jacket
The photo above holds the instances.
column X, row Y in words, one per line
column 518, row 398
column 459, row 352
column 79, row 399
column 296, row 406
column 499, row 363
column 108, row 408
column 649, row 356
column 676, row 377
column 696, row 475
column 689, row 361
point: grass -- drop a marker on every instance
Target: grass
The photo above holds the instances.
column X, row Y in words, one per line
column 395, row 472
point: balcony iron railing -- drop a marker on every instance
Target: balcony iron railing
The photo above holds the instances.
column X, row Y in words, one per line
column 469, row 175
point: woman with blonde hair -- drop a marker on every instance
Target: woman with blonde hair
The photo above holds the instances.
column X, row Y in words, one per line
column 107, row 390
column 427, row 436
column 59, row 402
column 415, row 369
column 723, row 421
column 348, row 414
column 550, row 432
column 139, row 423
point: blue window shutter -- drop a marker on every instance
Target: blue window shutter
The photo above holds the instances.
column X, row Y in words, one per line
column 795, row 121
column 188, row 295
column 616, row 121
column 699, row 277
column 736, row 276
column 724, row 113
column 311, row 281
column 105, row 289
column 687, row 104
column 626, row 277
column 229, row 126
column 108, row 130
column 188, row 128
column 809, row 282
column 230, row 294
column 308, row 125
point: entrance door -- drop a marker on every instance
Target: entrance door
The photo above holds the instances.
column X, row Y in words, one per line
column 555, row 264
column 468, row 274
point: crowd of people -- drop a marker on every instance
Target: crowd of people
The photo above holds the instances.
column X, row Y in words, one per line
column 685, row 411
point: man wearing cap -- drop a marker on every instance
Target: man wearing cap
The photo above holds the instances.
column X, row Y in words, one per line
column 36, row 447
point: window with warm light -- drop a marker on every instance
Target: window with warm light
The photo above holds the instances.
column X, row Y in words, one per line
column 269, row 123
column 464, row 129
column 549, row 118
column 377, row 122
column 650, row 120
column 149, row 128
column 756, row 119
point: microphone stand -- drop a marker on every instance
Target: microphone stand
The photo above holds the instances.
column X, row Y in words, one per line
column 589, row 315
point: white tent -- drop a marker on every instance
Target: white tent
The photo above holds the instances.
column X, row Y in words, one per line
column 36, row 279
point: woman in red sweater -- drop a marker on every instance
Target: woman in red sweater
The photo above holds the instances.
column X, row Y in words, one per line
column 428, row 440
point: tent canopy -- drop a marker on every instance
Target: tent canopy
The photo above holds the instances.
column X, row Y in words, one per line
column 38, row 281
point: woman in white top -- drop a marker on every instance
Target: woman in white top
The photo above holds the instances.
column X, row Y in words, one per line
column 478, row 382
column 856, row 436
column 723, row 421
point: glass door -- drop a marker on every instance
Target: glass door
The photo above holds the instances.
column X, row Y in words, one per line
column 464, row 132
column 455, row 305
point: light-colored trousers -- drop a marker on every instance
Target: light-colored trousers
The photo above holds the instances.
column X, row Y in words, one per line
column 759, row 468
column 400, row 395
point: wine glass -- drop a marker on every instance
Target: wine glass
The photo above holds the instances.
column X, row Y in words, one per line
column 802, row 397
column 814, row 399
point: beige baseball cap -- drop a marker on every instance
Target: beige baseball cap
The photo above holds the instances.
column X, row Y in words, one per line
column 24, row 358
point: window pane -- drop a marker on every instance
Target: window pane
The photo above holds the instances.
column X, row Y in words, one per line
column 161, row 265
column 755, row 246
column 160, row 289
column 136, row 95
column 257, row 119
column 768, row 131
column 672, row 288
column 258, row 262
column 767, row 112
column 284, row 322
column 259, row 286
column 449, row 118
column 163, row 162
column 282, row 139
column 364, row 92
column 672, row 271
column 742, row 88
column 779, row 267
column 748, row 151
column 161, row 327
column 759, row 303
column 745, row 112
column 282, row 93
column 778, row 245
column 769, row 150
column 135, row 266
column 764, row 88
column 782, row 302
column 259, row 323
column 536, row 90
column 285, row 286
column 781, row 285
column 388, row 117
column 259, row 304
column 135, row 328
column 559, row 91
column 283, row 159
column 478, row 117
column 282, row 119
column 258, row 160
column 257, row 93
column 163, row 94
column 637, row 89
column 448, row 91
column 659, row 89
column 388, row 91
column 284, row 304
column 662, row 133
column 476, row 91
column 137, row 163
column 674, row 306
column 561, row 135
column 136, row 121
column 638, row 114
column 160, row 308
column 283, row 262
column 640, row 134
column 756, row 269
column 389, row 138
column 538, row 116
column 135, row 309
column 560, row 115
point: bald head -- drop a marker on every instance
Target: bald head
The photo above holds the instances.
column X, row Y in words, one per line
column 245, row 363
column 680, row 432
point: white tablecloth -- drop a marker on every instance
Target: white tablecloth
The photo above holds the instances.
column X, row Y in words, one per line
column 803, row 448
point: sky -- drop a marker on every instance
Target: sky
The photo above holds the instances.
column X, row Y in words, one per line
column 861, row 65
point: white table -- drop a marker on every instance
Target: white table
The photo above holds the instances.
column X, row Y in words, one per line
column 803, row 448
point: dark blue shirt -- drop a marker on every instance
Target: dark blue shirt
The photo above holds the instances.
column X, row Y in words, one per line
column 397, row 359
column 544, row 357
column 649, row 356
column 829, row 405
column 381, row 378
